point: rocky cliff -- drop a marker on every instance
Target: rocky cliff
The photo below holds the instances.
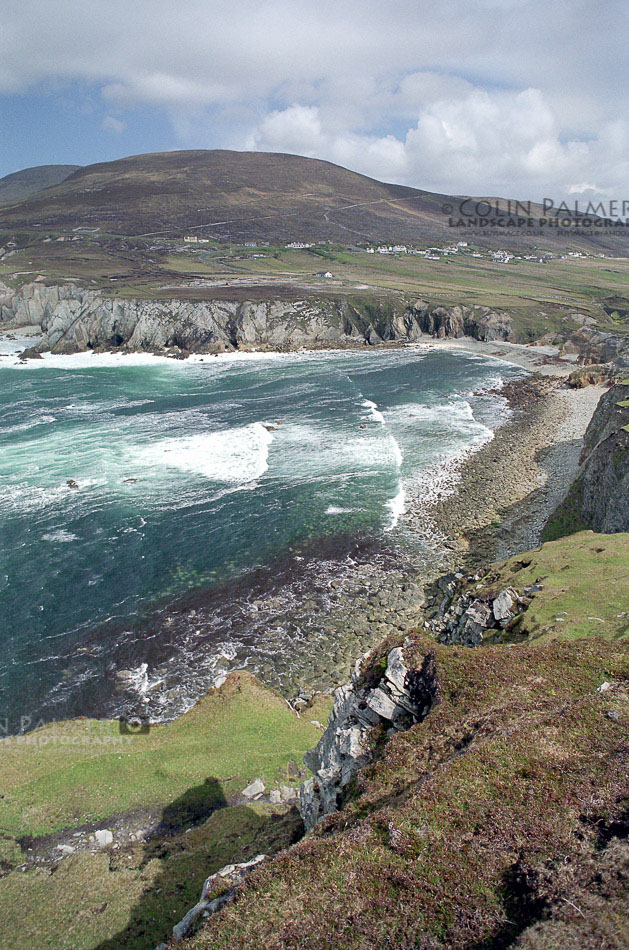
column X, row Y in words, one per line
column 376, row 704
column 73, row 320
column 599, row 498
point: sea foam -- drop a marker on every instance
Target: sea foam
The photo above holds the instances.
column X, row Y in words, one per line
column 234, row 456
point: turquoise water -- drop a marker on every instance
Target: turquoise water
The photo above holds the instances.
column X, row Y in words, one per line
column 127, row 481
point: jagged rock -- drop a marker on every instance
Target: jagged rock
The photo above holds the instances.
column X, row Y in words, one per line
column 468, row 629
column 383, row 704
column 401, row 698
column 74, row 319
column 283, row 795
column 599, row 497
column 31, row 353
column 288, row 794
column 232, row 875
column 255, row 789
column 503, row 604
column 103, row 838
column 604, row 478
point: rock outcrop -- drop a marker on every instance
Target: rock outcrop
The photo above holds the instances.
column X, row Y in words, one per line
column 481, row 323
column 467, row 617
column 599, row 498
column 74, row 320
column 227, row 880
column 366, row 709
column 604, row 479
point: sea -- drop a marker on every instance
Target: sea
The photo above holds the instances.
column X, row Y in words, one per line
column 161, row 520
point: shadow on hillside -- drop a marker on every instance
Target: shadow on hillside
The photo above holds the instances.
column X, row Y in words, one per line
column 189, row 852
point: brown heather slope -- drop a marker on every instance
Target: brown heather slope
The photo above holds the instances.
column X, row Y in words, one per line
column 496, row 822
column 237, row 196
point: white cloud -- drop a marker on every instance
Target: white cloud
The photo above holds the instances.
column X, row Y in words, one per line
column 484, row 143
column 468, row 96
column 111, row 124
column 296, row 129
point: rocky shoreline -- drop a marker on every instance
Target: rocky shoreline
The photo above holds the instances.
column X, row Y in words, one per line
column 335, row 610
column 510, row 486
column 504, row 493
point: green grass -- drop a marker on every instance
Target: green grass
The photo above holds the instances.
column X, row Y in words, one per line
column 539, row 297
column 85, row 773
column 133, row 899
column 451, row 838
column 567, row 518
column 66, row 774
column 585, row 587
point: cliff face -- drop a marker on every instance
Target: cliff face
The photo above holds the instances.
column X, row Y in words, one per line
column 604, row 481
column 74, row 320
column 373, row 706
column 599, row 498
column 481, row 323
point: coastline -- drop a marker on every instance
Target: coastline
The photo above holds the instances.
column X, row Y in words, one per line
column 511, row 484
column 498, row 499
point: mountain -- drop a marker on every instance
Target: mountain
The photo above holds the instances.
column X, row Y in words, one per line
column 30, row 181
column 239, row 196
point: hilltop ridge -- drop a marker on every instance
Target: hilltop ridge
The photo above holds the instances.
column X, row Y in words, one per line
column 234, row 196
column 29, row 181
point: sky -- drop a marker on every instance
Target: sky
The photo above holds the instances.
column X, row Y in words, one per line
column 520, row 98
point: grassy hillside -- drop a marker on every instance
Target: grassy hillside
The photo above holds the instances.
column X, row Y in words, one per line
column 584, row 588
column 172, row 799
column 493, row 819
column 540, row 298
column 29, row 181
column 499, row 821
column 240, row 196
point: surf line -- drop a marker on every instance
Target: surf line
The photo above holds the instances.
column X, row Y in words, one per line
column 397, row 504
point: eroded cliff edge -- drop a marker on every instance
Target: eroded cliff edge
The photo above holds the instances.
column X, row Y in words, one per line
column 74, row 320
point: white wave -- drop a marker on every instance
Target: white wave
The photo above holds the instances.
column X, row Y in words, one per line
column 374, row 412
column 397, row 507
column 61, row 536
column 74, row 361
column 337, row 510
column 42, row 420
column 317, row 451
column 235, row 456
column 377, row 416
column 397, row 451
column 104, row 406
column 136, row 679
column 455, row 417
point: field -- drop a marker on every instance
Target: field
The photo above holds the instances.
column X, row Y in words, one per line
column 172, row 798
column 538, row 295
